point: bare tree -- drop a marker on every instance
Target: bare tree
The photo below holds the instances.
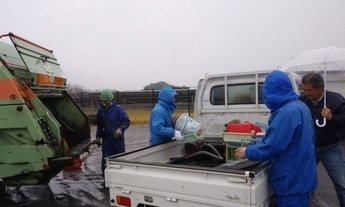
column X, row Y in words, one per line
column 75, row 88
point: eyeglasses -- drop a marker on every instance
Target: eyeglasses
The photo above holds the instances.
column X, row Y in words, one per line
column 308, row 90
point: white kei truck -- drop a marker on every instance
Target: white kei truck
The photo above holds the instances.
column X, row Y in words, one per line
column 198, row 174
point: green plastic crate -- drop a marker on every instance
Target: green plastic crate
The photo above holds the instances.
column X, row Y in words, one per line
column 234, row 141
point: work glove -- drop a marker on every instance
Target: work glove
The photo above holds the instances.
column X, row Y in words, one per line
column 118, row 133
column 99, row 141
column 178, row 135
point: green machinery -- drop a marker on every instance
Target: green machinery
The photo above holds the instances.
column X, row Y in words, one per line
column 42, row 129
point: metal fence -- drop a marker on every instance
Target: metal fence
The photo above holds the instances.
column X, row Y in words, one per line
column 145, row 99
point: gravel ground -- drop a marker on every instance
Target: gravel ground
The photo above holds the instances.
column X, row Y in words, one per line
column 83, row 188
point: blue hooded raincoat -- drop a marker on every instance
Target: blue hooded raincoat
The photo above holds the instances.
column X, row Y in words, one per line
column 288, row 143
column 161, row 121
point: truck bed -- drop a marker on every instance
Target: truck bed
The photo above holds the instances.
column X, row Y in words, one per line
column 173, row 154
column 140, row 175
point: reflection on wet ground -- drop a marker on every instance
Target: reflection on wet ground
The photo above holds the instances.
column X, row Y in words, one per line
column 69, row 188
column 81, row 187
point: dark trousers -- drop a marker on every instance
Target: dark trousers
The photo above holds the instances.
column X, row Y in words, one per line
column 111, row 146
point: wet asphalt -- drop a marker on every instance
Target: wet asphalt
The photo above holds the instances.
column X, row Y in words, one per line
column 83, row 188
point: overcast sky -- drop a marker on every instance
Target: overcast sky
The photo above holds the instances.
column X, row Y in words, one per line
column 128, row 44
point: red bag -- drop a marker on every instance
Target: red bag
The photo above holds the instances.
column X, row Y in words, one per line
column 246, row 127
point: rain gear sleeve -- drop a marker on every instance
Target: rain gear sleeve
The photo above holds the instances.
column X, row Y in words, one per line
column 289, row 142
column 161, row 121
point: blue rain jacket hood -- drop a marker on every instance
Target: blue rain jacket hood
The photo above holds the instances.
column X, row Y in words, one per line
column 278, row 90
column 166, row 98
column 289, row 141
column 161, row 126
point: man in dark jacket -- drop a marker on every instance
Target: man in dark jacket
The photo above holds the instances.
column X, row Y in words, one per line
column 112, row 121
column 289, row 144
column 330, row 131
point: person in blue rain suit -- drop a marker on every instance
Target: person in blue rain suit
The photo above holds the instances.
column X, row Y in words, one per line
column 161, row 120
column 289, row 144
column 112, row 121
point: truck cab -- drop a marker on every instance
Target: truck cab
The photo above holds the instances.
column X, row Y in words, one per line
column 220, row 98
